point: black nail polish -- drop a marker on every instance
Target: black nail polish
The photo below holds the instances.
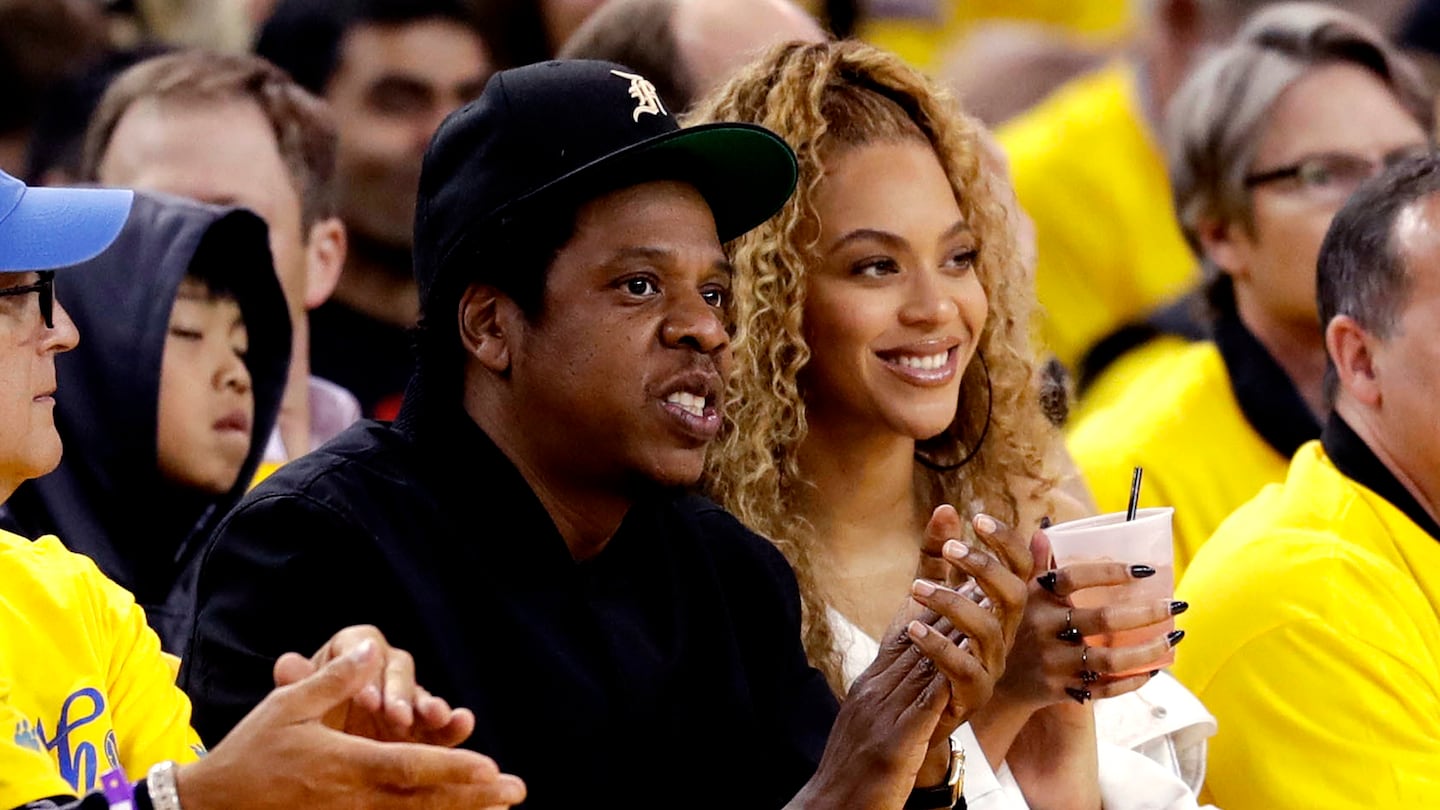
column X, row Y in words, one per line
column 1045, row 522
column 1078, row 695
column 1175, row 637
column 1070, row 635
column 1089, row 676
column 1177, row 607
column 1141, row 571
column 1047, row 581
column 1154, row 672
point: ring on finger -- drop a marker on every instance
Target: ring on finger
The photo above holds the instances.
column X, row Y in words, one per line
column 1071, row 633
column 1087, row 675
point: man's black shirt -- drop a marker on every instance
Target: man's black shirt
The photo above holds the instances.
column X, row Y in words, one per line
column 666, row 670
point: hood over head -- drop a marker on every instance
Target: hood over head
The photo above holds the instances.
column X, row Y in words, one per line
column 107, row 498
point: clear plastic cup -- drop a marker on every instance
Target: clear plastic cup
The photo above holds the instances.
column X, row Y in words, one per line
column 1146, row 540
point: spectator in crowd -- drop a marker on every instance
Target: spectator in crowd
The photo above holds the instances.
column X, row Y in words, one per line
column 1001, row 68
column 391, row 70
column 688, row 47
column 170, row 401
column 57, row 143
column 889, row 289
column 84, row 687
column 1317, row 640
column 1091, row 147
column 42, row 43
column 235, row 130
column 526, row 514
column 1267, row 139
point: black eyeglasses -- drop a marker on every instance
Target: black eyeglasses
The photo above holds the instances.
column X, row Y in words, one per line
column 1332, row 175
column 46, row 288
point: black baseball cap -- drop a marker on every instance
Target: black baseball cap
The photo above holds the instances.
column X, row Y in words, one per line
column 565, row 131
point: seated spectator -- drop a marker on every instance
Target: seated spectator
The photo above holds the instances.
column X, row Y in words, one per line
column 1267, row 139
column 896, row 272
column 84, row 688
column 170, row 403
column 688, row 47
column 526, row 517
column 390, row 70
column 1317, row 613
column 235, row 130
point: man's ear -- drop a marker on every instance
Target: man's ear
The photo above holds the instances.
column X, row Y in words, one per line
column 324, row 259
column 488, row 325
column 1220, row 242
column 1352, row 350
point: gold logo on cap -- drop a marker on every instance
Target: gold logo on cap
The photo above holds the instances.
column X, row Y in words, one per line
column 643, row 92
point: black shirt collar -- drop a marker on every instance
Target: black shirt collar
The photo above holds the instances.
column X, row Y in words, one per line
column 1352, row 457
column 1267, row 397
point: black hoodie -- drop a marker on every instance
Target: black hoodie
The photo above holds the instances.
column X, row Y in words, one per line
column 107, row 499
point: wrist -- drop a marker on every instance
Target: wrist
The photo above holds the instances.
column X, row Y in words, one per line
column 936, row 764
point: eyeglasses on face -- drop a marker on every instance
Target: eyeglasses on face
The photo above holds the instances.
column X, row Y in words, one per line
column 1333, row 175
column 46, row 288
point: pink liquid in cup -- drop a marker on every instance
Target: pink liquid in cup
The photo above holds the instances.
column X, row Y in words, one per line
column 1146, row 540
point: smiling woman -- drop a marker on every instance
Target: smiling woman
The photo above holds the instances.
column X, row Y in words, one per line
column 883, row 377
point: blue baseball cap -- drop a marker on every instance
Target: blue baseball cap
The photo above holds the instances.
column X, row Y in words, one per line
column 45, row 228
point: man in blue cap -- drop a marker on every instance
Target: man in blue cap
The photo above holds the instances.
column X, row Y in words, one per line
column 523, row 527
column 84, row 688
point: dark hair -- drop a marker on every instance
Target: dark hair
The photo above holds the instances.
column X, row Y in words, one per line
column 514, row 258
column 304, row 37
column 1361, row 271
column 637, row 34
column 41, row 43
column 57, row 144
column 304, row 131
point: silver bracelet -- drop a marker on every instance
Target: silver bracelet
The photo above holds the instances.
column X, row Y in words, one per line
column 160, row 782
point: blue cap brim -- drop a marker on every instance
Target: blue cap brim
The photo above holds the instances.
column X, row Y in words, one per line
column 57, row 227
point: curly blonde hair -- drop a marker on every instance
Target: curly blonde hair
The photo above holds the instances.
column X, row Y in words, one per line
column 819, row 98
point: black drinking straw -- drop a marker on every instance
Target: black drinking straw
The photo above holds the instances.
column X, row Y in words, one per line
column 1134, row 494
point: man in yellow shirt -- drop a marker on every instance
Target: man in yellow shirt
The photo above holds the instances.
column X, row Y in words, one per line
column 84, row 688
column 1267, row 139
column 1315, row 626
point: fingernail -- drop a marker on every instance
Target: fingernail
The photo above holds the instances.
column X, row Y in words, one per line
column 1047, row 580
column 1078, row 695
column 363, row 651
column 1154, row 672
column 1045, row 522
column 917, row 630
column 985, row 524
column 1175, row 637
column 1141, row 571
column 1089, row 676
column 955, row 548
column 1177, row 607
column 922, row 587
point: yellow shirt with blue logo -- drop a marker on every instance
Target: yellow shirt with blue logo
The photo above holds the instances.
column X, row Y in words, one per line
column 1089, row 173
column 1313, row 636
column 84, row 687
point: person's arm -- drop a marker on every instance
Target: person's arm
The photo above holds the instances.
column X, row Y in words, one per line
column 283, row 756
column 937, row 664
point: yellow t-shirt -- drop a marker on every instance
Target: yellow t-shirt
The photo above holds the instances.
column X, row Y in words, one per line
column 920, row 36
column 85, row 685
column 1314, row 639
column 1110, row 385
column 1181, row 422
column 1088, row 171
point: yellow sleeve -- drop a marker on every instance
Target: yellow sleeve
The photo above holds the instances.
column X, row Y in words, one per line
column 1322, row 681
column 151, row 715
column 26, row 774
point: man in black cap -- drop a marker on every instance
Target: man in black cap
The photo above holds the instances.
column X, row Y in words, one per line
column 522, row 527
